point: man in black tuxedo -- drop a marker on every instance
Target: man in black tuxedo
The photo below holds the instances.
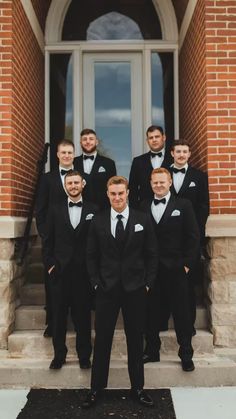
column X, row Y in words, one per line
column 95, row 169
column 52, row 191
column 64, row 248
column 142, row 166
column 122, row 264
column 178, row 241
column 191, row 183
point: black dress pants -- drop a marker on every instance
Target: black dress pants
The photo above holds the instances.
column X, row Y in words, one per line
column 171, row 289
column 108, row 305
column 71, row 290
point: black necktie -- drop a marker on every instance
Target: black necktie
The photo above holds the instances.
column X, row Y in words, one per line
column 64, row 172
column 86, row 157
column 158, row 201
column 155, row 154
column 120, row 231
column 75, row 204
column 175, row 170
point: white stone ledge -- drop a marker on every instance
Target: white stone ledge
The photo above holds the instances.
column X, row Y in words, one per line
column 221, row 225
column 13, row 227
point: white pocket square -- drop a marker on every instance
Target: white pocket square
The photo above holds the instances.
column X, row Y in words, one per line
column 101, row 169
column 192, row 184
column 138, row 227
column 89, row 217
column 175, row 213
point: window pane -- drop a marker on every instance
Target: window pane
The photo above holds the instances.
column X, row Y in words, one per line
column 163, row 92
column 113, row 112
column 82, row 14
column 61, row 101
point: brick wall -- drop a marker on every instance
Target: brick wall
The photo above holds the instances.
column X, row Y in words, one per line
column 21, row 108
column 208, row 97
column 221, row 103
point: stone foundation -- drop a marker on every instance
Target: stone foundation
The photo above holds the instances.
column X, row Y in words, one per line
column 222, row 280
column 12, row 276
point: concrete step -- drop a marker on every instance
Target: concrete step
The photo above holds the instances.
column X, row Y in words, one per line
column 32, row 294
column 35, row 273
column 32, row 344
column 32, row 317
column 210, row 371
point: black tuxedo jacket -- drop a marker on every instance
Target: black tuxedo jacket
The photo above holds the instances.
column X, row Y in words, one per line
column 195, row 188
column 96, row 182
column 135, row 265
column 177, row 233
column 139, row 178
column 62, row 244
column 51, row 191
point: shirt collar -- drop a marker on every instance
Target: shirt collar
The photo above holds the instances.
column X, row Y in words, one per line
column 70, row 200
column 124, row 213
column 160, row 151
column 63, row 168
column 91, row 154
column 184, row 167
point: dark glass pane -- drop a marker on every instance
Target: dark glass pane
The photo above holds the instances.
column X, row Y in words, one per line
column 81, row 15
column 163, row 92
column 61, row 101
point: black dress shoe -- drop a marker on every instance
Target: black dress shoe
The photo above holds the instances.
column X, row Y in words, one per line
column 47, row 332
column 90, row 400
column 147, row 358
column 56, row 364
column 85, row 364
column 187, row 365
column 141, row 397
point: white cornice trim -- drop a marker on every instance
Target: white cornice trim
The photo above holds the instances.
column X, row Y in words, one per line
column 34, row 23
column 221, row 225
column 186, row 21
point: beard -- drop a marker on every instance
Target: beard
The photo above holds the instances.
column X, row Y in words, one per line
column 90, row 151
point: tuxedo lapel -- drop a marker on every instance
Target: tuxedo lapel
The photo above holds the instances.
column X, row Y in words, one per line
column 96, row 165
column 66, row 217
column 186, row 181
column 80, row 164
column 169, row 208
column 57, row 181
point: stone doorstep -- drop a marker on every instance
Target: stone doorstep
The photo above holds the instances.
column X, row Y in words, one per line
column 29, row 317
column 32, row 294
column 210, row 371
column 32, row 344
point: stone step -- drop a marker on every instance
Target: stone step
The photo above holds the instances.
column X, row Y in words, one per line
column 31, row 344
column 210, row 371
column 35, row 273
column 32, row 317
column 32, row 294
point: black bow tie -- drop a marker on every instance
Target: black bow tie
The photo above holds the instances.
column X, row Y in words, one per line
column 64, row 172
column 86, row 157
column 155, row 154
column 159, row 201
column 75, row 204
column 175, row 170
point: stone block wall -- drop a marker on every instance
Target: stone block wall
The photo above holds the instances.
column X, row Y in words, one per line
column 222, row 289
column 11, row 280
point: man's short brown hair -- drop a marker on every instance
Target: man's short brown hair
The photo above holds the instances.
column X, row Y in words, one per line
column 65, row 141
column 72, row 173
column 118, row 180
column 180, row 141
column 87, row 131
column 161, row 170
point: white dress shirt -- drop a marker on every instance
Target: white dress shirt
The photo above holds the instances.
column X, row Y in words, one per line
column 124, row 213
column 88, row 163
column 157, row 161
column 74, row 213
column 178, row 178
column 158, row 210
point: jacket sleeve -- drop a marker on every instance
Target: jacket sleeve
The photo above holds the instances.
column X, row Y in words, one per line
column 48, row 240
column 93, row 253
column 134, row 185
column 191, row 239
column 151, row 253
column 42, row 204
column 203, row 204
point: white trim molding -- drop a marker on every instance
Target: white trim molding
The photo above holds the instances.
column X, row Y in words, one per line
column 34, row 23
column 13, row 227
column 186, row 21
column 222, row 225
column 58, row 9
